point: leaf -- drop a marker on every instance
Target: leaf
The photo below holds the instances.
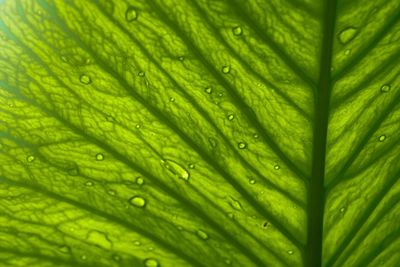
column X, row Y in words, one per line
column 199, row 133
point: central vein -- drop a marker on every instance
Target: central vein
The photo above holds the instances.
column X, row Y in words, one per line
column 316, row 191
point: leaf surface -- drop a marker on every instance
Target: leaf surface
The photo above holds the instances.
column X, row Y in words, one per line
column 199, row 133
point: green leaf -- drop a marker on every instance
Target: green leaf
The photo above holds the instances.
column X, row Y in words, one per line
column 199, row 133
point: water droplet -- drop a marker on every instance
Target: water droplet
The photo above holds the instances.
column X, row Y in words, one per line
column 290, row 252
column 385, row 88
column 65, row 249
column 176, row 169
column 85, row 79
column 277, row 167
column 252, row 181
column 30, row 158
column 342, row 210
column 141, row 74
column 181, row 58
column 191, row 166
column 266, row 224
column 83, row 257
column 347, row 34
column 220, row 94
column 171, row 99
column 231, row 117
column 382, row 138
column 347, row 52
column 139, row 181
column 208, row 90
column 89, row 183
column 138, row 126
column 202, row 235
column 99, row 238
column 235, row 204
column 137, row 201
column 137, row 243
column 131, row 14
column 226, row 69
column 237, row 30
column 151, row 263
column 256, row 136
column 242, row 145
column 73, row 171
column 99, row 157
column 111, row 192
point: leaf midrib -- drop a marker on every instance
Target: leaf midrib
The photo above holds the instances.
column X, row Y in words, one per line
column 316, row 190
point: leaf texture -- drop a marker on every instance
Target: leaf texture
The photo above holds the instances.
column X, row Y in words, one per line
column 199, row 133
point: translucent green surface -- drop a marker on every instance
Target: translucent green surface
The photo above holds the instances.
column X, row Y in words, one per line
column 203, row 133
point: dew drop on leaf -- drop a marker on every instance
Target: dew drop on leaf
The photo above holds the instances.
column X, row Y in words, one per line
column 208, row 90
column 137, row 201
column 176, row 169
column 203, row 235
column 256, row 136
column 83, row 257
column 191, row 166
column 85, row 79
column 237, row 30
column 226, row 69
column 131, row 14
column 151, row 263
column 252, row 181
column 99, row 157
column 385, row 88
column 347, row 52
column 181, row 58
column 89, row 183
column 171, row 99
column 73, row 171
column 139, row 181
column 64, row 249
column 290, row 252
column 30, row 158
column 347, row 34
column 99, row 238
column 137, row 243
column 235, row 204
column 382, row 138
column 231, row 117
column 141, row 74
column 277, row 167
column 138, row 126
column 342, row 210
column 242, row 145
